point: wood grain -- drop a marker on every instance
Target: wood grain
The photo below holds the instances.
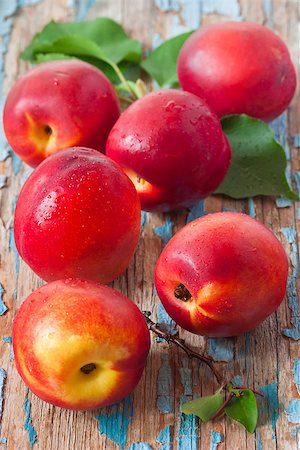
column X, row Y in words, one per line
column 267, row 359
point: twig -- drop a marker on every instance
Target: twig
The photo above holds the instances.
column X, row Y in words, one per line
column 155, row 328
column 221, row 409
column 243, row 388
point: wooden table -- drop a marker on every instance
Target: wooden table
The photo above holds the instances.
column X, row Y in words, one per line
column 267, row 359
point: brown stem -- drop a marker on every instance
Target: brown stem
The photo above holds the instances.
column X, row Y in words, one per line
column 155, row 328
column 243, row 388
column 221, row 409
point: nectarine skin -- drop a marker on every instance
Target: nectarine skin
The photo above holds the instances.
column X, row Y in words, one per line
column 56, row 105
column 68, row 325
column 222, row 275
column 172, row 147
column 78, row 215
column 239, row 67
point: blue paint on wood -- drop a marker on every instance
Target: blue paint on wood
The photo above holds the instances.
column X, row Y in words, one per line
column 280, row 128
column 247, row 343
column 13, row 248
column 186, row 376
column 293, row 411
column 3, row 180
column 215, row 439
column 269, row 406
column 259, row 445
column 295, row 431
column 114, row 421
column 196, row 211
column 144, row 219
column 225, row 8
column 294, row 332
column 189, row 18
column 296, row 373
column 2, row 385
column 165, row 231
column 283, row 202
column 3, row 307
column 16, row 162
column 165, row 386
column 252, row 207
column 188, row 429
column 165, row 321
column 167, row 5
column 296, row 141
column 140, row 446
column 268, row 12
column 237, row 380
column 8, row 340
column 165, row 438
column 221, row 349
column 3, row 440
column 28, row 425
column 82, row 8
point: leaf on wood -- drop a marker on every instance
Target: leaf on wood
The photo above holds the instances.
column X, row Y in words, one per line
column 243, row 409
column 204, row 407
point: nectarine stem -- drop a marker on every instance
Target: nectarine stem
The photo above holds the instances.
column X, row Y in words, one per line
column 156, row 328
column 88, row 368
column 182, row 292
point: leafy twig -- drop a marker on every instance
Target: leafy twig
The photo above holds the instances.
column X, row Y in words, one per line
column 156, row 328
column 220, row 410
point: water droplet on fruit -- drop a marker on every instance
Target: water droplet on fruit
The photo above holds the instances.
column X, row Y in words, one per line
column 170, row 106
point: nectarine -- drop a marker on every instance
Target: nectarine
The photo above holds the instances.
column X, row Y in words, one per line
column 80, row 345
column 56, row 105
column 239, row 67
column 78, row 215
column 222, row 274
column 172, row 147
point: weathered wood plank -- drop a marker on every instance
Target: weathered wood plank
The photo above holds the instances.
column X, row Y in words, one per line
column 267, row 359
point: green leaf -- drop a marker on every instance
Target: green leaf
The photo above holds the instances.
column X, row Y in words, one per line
column 244, row 410
column 107, row 36
column 204, row 407
column 161, row 64
column 258, row 160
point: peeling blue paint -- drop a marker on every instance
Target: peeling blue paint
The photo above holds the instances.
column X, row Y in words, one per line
column 3, row 307
column 295, row 431
column 215, row 439
column 225, row 8
column 259, row 445
column 221, row 349
column 3, row 440
column 167, row 5
column 82, row 8
column 188, row 429
column 189, row 18
column 279, row 126
column 165, row 321
column 237, row 380
column 28, row 426
column 2, row 385
column 3, row 180
column 269, row 406
column 294, row 332
column 114, row 421
column 247, row 343
column 283, row 202
column 296, row 141
column 165, row 438
column 165, row 231
column 186, row 376
column 13, row 248
column 252, row 207
column 296, row 373
column 8, row 340
column 140, row 446
column 293, row 411
column 297, row 181
column 268, row 12
column 196, row 211
column 144, row 219
column 165, row 386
